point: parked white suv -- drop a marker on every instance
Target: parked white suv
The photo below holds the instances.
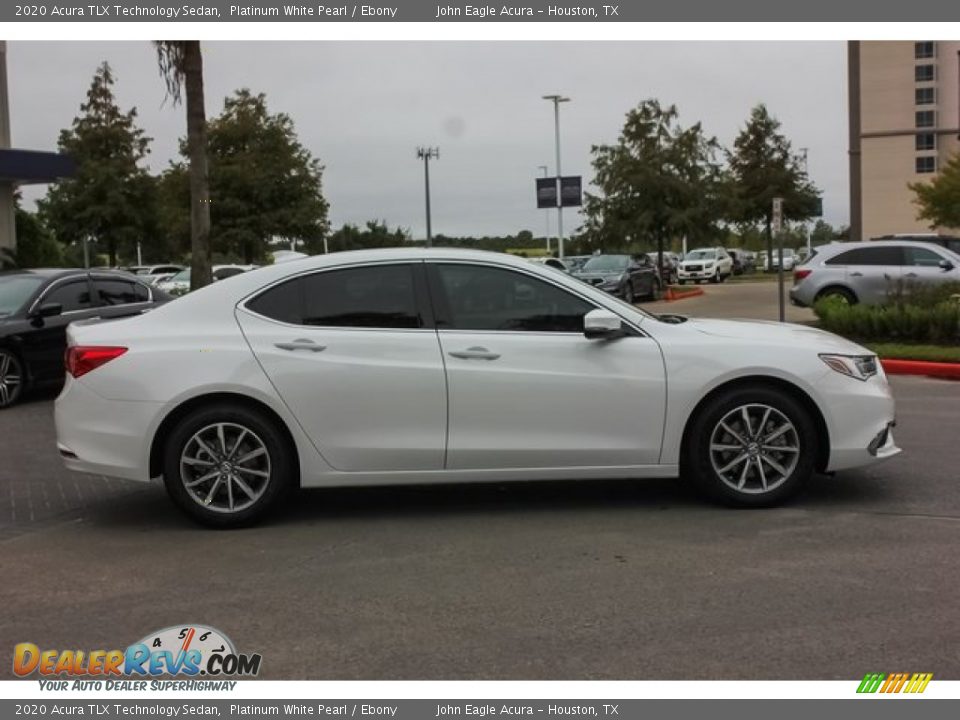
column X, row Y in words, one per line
column 713, row 264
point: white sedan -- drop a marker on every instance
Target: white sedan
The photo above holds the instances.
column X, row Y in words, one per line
column 415, row 366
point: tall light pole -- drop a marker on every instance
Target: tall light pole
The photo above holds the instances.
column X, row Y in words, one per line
column 806, row 171
column 546, row 212
column 425, row 154
column 557, row 99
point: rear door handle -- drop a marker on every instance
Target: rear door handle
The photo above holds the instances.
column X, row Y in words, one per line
column 301, row 344
column 856, row 274
column 911, row 275
column 474, row 353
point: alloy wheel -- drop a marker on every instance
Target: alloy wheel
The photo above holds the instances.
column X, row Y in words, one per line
column 11, row 378
column 225, row 467
column 754, row 449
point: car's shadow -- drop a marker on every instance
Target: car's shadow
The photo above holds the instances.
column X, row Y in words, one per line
column 852, row 491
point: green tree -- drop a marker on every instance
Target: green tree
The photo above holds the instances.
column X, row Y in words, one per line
column 763, row 166
column 822, row 233
column 36, row 246
column 181, row 66
column 109, row 196
column 376, row 234
column 939, row 199
column 264, row 183
column 658, row 182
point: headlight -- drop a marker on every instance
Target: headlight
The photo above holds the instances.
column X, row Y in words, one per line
column 861, row 367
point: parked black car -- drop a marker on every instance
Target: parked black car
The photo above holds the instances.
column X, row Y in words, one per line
column 37, row 305
column 626, row 276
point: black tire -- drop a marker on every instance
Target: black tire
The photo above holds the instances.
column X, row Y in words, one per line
column 681, row 282
column 716, row 278
column 699, row 461
column 840, row 293
column 281, row 467
column 628, row 296
column 12, row 379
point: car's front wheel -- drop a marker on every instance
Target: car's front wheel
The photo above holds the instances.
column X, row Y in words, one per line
column 11, row 379
column 628, row 293
column 752, row 447
column 226, row 465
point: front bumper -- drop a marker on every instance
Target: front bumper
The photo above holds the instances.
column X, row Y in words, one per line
column 860, row 420
column 696, row 274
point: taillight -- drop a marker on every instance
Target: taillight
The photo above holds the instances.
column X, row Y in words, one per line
column 800, row 273
column 82, row 359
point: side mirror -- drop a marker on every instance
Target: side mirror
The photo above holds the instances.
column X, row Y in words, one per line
column 602, row 325
column 946, row 265
column 48, row 310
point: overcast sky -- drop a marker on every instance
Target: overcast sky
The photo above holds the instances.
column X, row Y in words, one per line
column 363, row 107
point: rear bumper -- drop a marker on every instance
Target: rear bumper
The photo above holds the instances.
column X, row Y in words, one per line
column 104, row 437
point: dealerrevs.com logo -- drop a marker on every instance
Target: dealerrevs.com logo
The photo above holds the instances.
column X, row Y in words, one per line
column 888, row 683
column 181, row 650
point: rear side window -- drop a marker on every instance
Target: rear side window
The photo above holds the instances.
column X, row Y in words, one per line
column 73, row 295
column 868, row 256
column 369, row 297
column 120, row 292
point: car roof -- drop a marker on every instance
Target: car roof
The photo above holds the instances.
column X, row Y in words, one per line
column 838, row 247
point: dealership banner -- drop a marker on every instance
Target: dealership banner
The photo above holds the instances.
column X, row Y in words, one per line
column 480, row 708
column 455, row 11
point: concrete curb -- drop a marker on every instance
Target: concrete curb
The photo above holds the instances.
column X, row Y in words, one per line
column 950, row 371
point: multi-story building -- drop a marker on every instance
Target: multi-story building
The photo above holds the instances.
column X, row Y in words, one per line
column 904, row 126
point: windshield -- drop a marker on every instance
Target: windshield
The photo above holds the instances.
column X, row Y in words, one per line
column 182, row 276
column 607, row 263
column 701, row 255
column 15, row 290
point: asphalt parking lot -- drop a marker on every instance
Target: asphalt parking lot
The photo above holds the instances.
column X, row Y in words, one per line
column 590, row 580
column 756, row 300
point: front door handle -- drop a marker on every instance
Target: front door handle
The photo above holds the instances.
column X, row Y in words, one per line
column 301, row 344
column 856, row 274
column 475, row 353
column 911, row 275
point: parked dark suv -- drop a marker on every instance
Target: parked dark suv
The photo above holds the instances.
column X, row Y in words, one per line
column 37, row 305
column 626, row 276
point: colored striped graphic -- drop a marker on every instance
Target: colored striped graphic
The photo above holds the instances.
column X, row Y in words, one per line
column 895, row 682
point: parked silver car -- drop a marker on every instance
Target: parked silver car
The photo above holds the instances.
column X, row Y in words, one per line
column 866, row 272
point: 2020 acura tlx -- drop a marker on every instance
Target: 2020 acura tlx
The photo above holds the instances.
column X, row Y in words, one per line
column 432, row 365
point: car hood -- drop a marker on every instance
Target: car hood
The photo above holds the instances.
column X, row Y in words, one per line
column 787, row 334
column 705, row 261
column 605, row 277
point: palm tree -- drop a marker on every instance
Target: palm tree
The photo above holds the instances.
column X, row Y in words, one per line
column 181, row 66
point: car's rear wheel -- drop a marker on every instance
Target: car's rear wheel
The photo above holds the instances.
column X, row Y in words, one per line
column 226, row 465
column 838, row 294
column 11, row 379
column 751, row 447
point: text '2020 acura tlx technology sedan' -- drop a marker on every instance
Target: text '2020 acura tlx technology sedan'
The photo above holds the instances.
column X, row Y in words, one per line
column 429, row 365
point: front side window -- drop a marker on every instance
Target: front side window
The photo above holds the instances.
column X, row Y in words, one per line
column 367, row 297
column 890, row 255
column 487, row 298
column 120, row 292
column 73, row 295
column 922, row 257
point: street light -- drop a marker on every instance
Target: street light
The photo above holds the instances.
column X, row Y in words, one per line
column 557, row 99
column 546, row 212
column 425, row 154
